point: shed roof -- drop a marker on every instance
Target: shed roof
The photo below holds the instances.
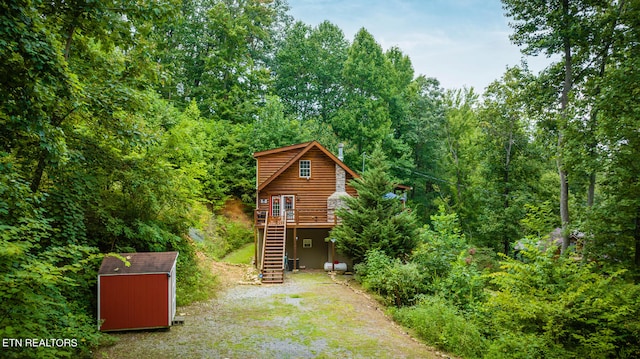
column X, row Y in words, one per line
column 141, row 262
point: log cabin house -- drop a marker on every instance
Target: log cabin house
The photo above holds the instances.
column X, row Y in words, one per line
column 299, row 187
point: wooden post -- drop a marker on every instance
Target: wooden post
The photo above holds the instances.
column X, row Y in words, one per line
column 264, row 244
column 255, row 246
column 295, row 248
column 333, row 254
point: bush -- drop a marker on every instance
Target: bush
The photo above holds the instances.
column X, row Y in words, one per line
column 45, row 292
column 509, row 345
column 399, row 284
column 440, row 245
column 236, row 235
column 440, row 324
column 565, row 306
column 465, row 283
column 196, row 281
column 225, row 236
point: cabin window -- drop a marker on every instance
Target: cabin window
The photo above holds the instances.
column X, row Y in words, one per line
column 305, row 168
column 275, row 206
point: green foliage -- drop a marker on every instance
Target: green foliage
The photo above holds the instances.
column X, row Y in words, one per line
column 615, row 220
column 308, row 67
column 460, row 134
column 274, row 129
column 422, row 129
column 510, row 163
column 236, row 235
column 524, row 345
column 372, row 221
column 224, row 236
column 211, row 52
column 82, row 163
column 565, row 308
column 440, row 324
column 397, row 283
column 539, row 219
column 196, row 281
column 440, row 245
column 38, row 283
column 464, row 286
column 451, row 267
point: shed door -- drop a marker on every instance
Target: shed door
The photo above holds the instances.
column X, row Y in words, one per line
column 134, row 301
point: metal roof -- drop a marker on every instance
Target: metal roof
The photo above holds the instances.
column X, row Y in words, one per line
column 141, row 263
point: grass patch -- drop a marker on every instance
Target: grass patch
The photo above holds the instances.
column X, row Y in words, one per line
column 440, row 324
column 223, row 236
column 243, row 255
column 198, row 283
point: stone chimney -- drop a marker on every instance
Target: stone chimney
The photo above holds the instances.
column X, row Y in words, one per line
column 341, row 176
column 336, row 200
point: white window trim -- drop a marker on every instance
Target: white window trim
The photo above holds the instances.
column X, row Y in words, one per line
column 300, row 169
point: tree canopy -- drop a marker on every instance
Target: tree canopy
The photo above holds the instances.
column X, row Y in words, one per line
column 121, row 122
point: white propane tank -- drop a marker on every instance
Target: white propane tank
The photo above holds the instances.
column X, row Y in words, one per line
column 338, row 267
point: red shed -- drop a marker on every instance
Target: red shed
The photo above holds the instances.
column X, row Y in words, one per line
column 140, row 296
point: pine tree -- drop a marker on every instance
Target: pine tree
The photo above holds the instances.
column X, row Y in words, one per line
column 373, row 219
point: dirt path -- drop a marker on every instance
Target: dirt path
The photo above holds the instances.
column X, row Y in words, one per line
column 310, row 316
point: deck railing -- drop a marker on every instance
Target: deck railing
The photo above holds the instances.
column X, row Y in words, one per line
column 299, row 216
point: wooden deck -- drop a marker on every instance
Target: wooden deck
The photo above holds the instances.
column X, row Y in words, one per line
column 301, row 218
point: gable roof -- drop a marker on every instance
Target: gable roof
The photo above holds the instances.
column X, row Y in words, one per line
column 141, row 263
column 304, row 148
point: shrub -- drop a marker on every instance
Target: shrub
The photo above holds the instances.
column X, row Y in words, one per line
column 398, row 283
column 570, row 309
column 440, row 324
column 45, row 292
column 510, row 345
column 440, row 245
column 225, row 236
column 196, row 281
column 236, row 235
column 465, row 283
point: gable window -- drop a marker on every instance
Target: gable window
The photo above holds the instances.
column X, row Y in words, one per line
column 305, row 168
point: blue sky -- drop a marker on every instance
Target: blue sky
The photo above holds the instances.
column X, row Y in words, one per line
column 459, row 42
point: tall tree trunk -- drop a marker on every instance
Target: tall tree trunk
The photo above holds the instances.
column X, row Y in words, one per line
column 39, row 172
column 604, row 56
column 506, row 240
column 636, row 237
column 506, row 193
column 56, row 121
column 592, row 189
column 564, row 206
column 564, row 108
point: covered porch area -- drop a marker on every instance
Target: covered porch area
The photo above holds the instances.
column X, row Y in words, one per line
column 305, row 247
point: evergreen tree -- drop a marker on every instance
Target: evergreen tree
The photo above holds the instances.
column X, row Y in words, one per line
column 373, row 219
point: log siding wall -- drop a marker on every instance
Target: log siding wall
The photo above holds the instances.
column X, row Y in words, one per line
column 312, row 193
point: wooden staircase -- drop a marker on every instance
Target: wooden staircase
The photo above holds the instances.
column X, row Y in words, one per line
column 273, row 251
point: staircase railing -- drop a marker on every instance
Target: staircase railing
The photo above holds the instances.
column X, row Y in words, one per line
column 284, row 240
column 264, row 243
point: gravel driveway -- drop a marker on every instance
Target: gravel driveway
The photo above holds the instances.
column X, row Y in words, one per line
column 311, row 315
